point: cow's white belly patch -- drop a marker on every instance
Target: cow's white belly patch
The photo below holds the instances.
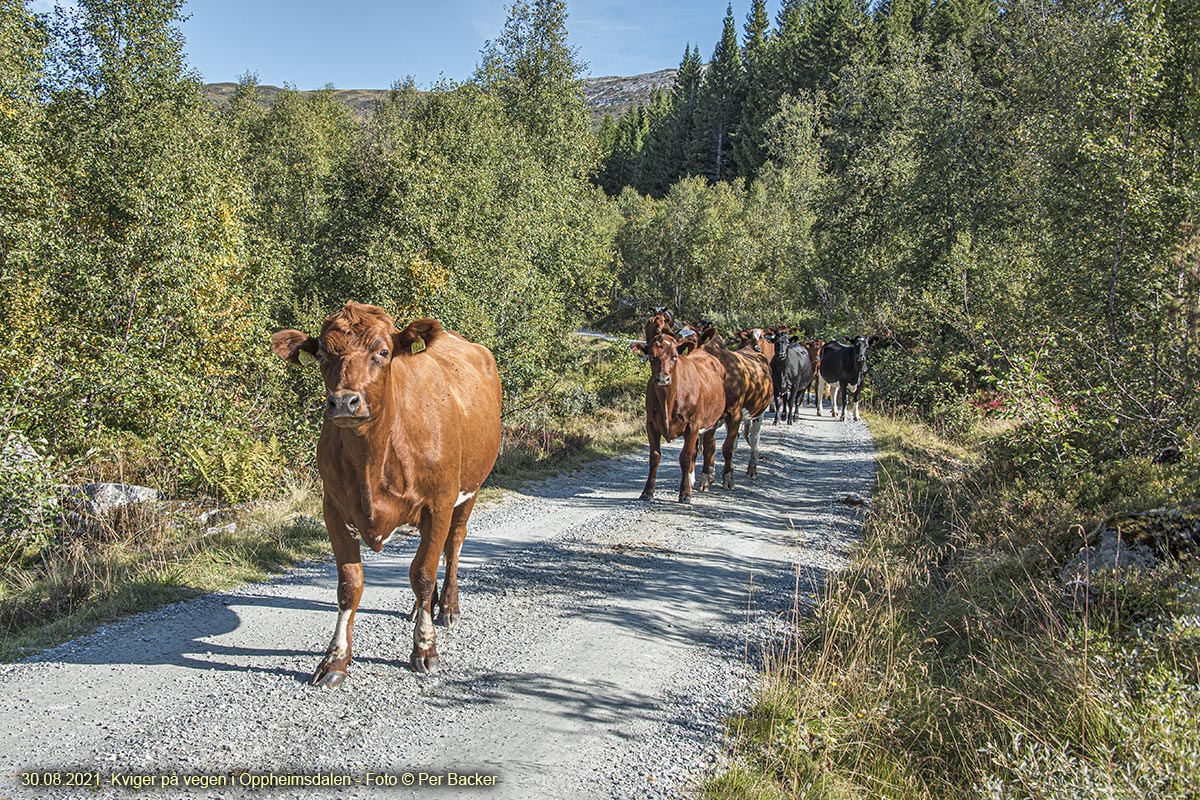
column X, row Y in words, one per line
column 463, row 497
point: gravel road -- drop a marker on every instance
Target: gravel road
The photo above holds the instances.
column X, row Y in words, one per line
column 603, row 643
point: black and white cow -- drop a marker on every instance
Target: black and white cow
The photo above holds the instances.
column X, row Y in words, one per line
column 791, row 373
column 844, row 367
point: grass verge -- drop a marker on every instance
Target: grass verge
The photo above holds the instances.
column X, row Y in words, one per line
column 947, row 661
column 145, row 557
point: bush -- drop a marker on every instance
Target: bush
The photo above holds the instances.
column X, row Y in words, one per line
column 27, row 492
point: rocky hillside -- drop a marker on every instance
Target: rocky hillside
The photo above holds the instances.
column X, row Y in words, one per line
column 607, row 95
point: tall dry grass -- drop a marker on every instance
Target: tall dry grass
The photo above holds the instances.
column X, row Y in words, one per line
column 947, row 661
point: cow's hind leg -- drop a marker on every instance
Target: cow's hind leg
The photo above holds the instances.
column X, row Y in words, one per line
column 732, row 423
column 422, row 574
column 335, row 667
column 708, row 475
column 753, row 429
column 448, row 612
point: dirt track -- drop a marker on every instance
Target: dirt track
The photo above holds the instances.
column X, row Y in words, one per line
column 603, row 642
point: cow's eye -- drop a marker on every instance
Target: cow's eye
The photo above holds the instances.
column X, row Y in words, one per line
column 383, row 354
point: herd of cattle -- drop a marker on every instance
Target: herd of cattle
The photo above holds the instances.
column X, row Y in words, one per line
column 696, row 383
column 412, row 429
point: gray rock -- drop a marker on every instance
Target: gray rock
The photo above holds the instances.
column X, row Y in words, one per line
column 226, row 529
column 100, row 498
column 213, row 516
column 1110, row 555
column 16, row 450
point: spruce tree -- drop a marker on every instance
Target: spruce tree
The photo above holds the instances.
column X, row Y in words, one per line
column 759, row 102
column 720, row 105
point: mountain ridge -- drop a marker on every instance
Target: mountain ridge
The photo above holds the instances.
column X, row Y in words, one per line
column 606, row 94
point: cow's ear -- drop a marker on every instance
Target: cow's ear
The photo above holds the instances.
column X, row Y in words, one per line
column 874, row 340
column 416, row 337
column 686, row 346
column 794, row 339
column 708, row 335
column 290, row 344
column 641, row 348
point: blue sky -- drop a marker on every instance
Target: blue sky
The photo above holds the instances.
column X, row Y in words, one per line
column 367, row 44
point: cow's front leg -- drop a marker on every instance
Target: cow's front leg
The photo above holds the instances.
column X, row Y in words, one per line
column 422, row 575
column 687, row 464
column 732, row 423
column 335, row 667
column 655, row 438
column 753, row 428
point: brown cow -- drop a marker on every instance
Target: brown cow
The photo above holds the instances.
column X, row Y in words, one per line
column 662, row 321
column 756, row 339
column 684, row 397
column 412, row 429
column 817, row 385
column 748, row 390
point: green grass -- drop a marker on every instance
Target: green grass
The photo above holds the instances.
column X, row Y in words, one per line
column 947, row 661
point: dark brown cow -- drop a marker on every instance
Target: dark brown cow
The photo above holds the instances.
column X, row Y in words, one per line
column 748, row 391
column 684, row 397
column 661, row 321
column 412, row 429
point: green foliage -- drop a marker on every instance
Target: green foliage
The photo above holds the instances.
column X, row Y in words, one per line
column 149, row 243
column 236, row 471
column 27, row 494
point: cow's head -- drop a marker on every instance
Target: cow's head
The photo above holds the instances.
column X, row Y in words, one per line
column 861, row 344
column 756, row 338
column 355, row 352
column 661, row 321
column 664, row 353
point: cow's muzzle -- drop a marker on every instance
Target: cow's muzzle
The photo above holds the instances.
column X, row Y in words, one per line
column 662, row 379
column 346, row 408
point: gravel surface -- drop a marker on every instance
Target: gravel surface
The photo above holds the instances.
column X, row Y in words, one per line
column 603, row 643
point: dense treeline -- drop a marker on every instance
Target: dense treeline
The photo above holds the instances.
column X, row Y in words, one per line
column 1006, row 190
column 150, row 242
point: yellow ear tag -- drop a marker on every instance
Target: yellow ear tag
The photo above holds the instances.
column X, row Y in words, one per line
column 306, row 357
column 418, row 346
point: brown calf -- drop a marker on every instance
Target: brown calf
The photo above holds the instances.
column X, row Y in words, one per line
column 817, row 385
column 412, row 429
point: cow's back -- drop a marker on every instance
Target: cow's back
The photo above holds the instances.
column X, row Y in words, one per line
column 747, row 380
column 450, row 399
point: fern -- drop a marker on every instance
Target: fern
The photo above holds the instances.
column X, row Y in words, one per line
column 237, row 472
